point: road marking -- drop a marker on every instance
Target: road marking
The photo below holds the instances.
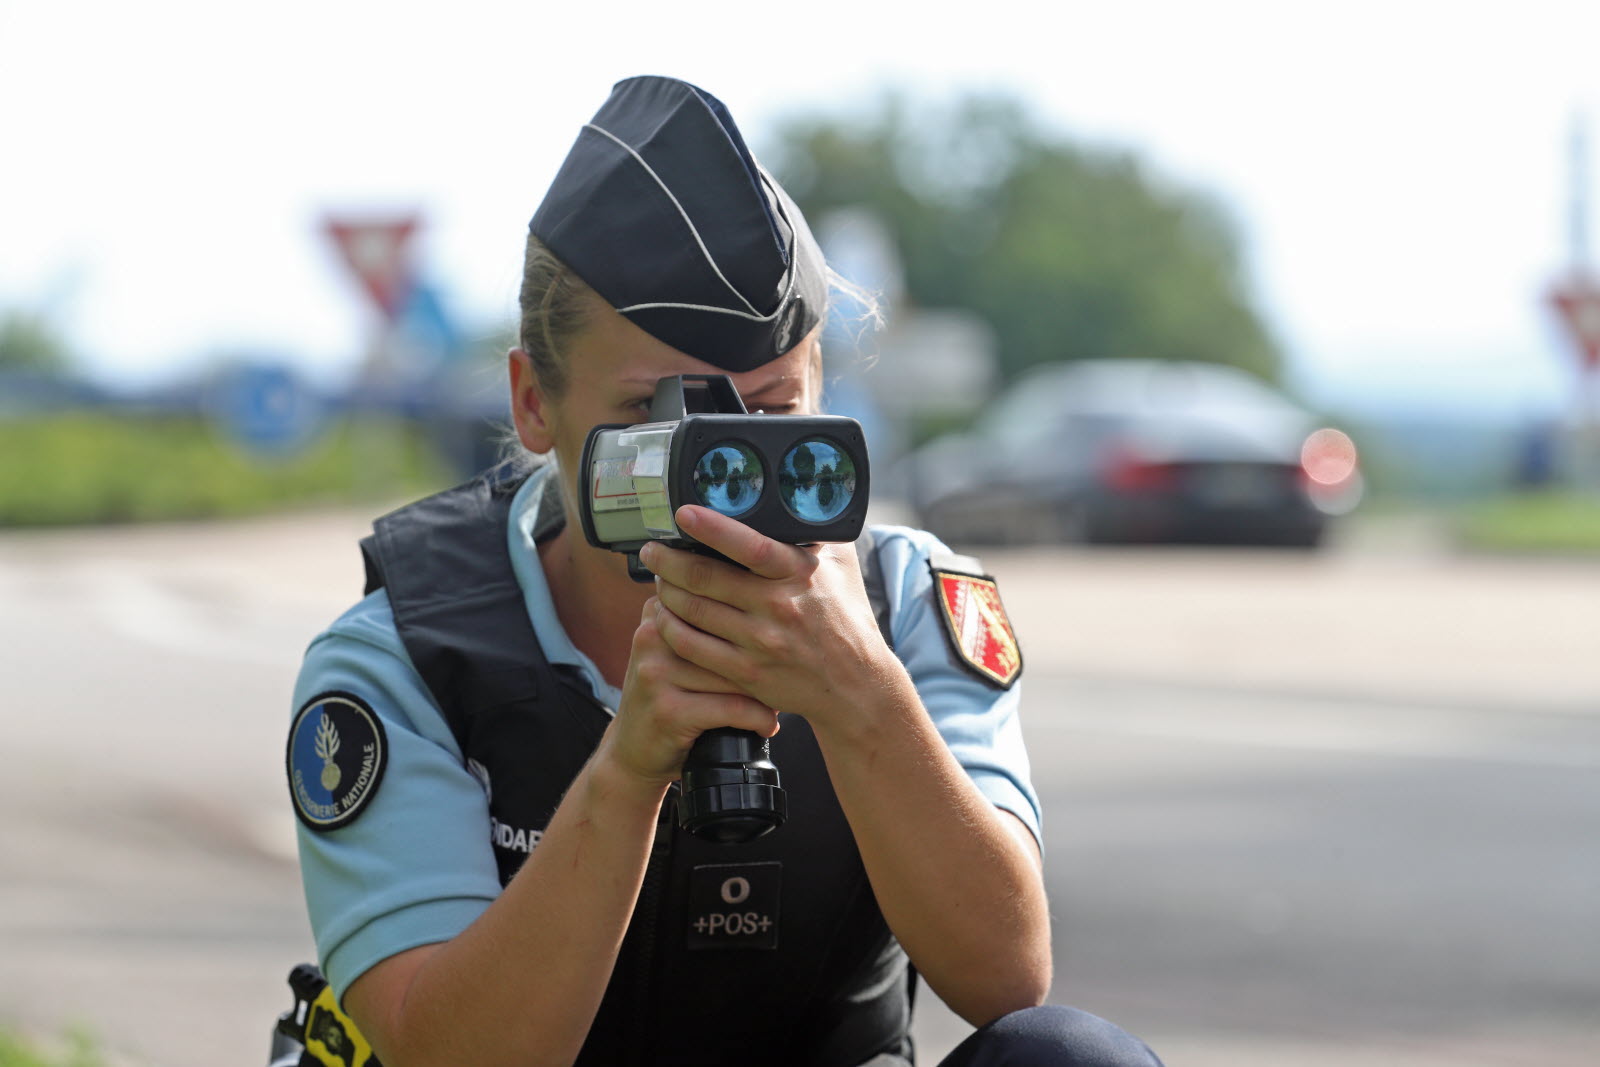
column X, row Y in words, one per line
column 142, row 610
column 1406, row 731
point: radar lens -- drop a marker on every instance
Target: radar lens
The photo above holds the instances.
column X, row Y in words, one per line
column 728, row 478
column 816, row 480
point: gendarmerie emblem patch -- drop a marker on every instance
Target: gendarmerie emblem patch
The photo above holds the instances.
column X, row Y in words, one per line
column 337, row 754
column 976, row 622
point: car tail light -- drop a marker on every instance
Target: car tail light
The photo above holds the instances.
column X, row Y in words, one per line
column 1128, row 472
column 1328, row 457
column 1330, row 470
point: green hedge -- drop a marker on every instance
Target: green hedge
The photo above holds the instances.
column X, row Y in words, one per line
column 92, row 468
column 1548, row 522
column 79, row 1051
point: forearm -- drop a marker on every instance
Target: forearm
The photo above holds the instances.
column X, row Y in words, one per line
column 522, row 984
column 959, row 887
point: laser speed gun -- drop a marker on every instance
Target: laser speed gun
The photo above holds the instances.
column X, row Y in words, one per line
column 800, row 479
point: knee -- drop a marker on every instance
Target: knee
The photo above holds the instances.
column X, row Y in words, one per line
column 1059, row 1035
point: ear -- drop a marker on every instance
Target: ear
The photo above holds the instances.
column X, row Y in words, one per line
column 530, row 407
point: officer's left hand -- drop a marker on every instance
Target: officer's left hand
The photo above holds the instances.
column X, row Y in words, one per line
column 794, row 630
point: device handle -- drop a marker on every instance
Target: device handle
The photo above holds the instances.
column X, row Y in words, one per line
column 731, row 793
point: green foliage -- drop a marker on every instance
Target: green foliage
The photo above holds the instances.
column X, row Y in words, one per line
column 1068, row 253
column 79, row 1051
column 95, row 468
column 1546, row 522
column 29, row 342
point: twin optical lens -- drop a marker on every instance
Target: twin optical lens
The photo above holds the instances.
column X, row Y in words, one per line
column 728, row 479
column 816, row 480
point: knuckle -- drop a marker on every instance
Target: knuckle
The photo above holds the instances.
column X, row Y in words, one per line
column 769, row 641
column 788, row 612
column 762, row 553
column 653, row 670
column 741, row 672
column 695, row 610
column 699, row 572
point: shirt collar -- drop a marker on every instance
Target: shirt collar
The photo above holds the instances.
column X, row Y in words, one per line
column 536, row 513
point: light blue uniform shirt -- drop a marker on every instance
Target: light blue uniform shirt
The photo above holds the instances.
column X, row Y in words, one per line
column 417, row 867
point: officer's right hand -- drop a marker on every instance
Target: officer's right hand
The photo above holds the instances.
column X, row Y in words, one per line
column 667, row 702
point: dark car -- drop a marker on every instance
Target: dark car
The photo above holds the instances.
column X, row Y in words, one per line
column 1137, row 451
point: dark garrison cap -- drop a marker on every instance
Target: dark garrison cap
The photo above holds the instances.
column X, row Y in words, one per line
column 663, row 211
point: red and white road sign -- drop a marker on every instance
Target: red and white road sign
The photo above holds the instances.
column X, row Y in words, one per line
column 376, row 250
column 1577, row 301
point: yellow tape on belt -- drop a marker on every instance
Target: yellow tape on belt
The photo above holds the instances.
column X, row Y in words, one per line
column 332, row 1037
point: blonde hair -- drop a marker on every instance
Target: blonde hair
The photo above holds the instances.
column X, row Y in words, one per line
column 553, row 303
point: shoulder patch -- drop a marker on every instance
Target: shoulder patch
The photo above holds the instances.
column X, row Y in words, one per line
column 976, row 623
column 337, row 755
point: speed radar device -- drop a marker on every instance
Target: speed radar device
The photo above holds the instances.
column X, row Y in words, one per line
column 800, row 479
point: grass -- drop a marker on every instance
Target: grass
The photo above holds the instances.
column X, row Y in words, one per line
column 84, row 468
column 78, row 1050
column 1550, row 522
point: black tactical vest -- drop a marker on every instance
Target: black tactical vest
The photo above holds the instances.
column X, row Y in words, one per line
column 772, row 952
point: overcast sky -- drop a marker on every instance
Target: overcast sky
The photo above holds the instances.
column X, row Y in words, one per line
column 1399, row 170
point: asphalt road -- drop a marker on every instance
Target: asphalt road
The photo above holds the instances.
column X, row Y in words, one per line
column 1300, row 809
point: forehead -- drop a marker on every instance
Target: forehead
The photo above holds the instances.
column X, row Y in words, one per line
column 611, row 350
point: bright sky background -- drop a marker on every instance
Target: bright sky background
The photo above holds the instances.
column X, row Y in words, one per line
column 1399, row 170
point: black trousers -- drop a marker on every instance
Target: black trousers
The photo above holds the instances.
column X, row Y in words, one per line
column 1053, row 1035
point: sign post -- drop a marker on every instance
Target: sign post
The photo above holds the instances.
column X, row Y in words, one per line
column 1576, row 303
column 377, row 251
column 1575, row 299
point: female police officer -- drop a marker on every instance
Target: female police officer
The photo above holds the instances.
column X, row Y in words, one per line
column 484, row 749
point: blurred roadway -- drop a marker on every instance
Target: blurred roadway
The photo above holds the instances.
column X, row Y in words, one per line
column 1300, row 809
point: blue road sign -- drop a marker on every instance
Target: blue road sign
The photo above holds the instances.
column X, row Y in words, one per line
column 266, row 408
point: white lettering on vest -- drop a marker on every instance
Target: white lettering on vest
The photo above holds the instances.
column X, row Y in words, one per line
column 514, row 838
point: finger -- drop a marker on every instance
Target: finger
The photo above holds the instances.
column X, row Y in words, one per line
column 692, row 570
column 702, row 612
column 707, row 651
column 696, row 572
column 695, row 699
column 696, row 679
column 757, row 552
column 653, row 658
column 739, row 712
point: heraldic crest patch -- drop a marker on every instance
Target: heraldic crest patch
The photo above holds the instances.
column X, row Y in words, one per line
column 975, row 621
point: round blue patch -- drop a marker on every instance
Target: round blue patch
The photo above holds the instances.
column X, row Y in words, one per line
column 337, row 755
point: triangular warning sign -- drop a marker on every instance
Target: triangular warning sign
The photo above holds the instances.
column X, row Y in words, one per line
column 376, row 250
column 1577, row 301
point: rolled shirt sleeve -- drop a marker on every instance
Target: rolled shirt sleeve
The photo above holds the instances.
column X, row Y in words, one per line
column 416, row 866
column 977, row 719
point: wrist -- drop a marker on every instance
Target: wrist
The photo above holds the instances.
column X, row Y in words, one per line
column 614, row 779
column 885, row 704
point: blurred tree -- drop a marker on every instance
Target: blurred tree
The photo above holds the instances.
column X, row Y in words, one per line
column 28, row 341
column 1068, row 253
